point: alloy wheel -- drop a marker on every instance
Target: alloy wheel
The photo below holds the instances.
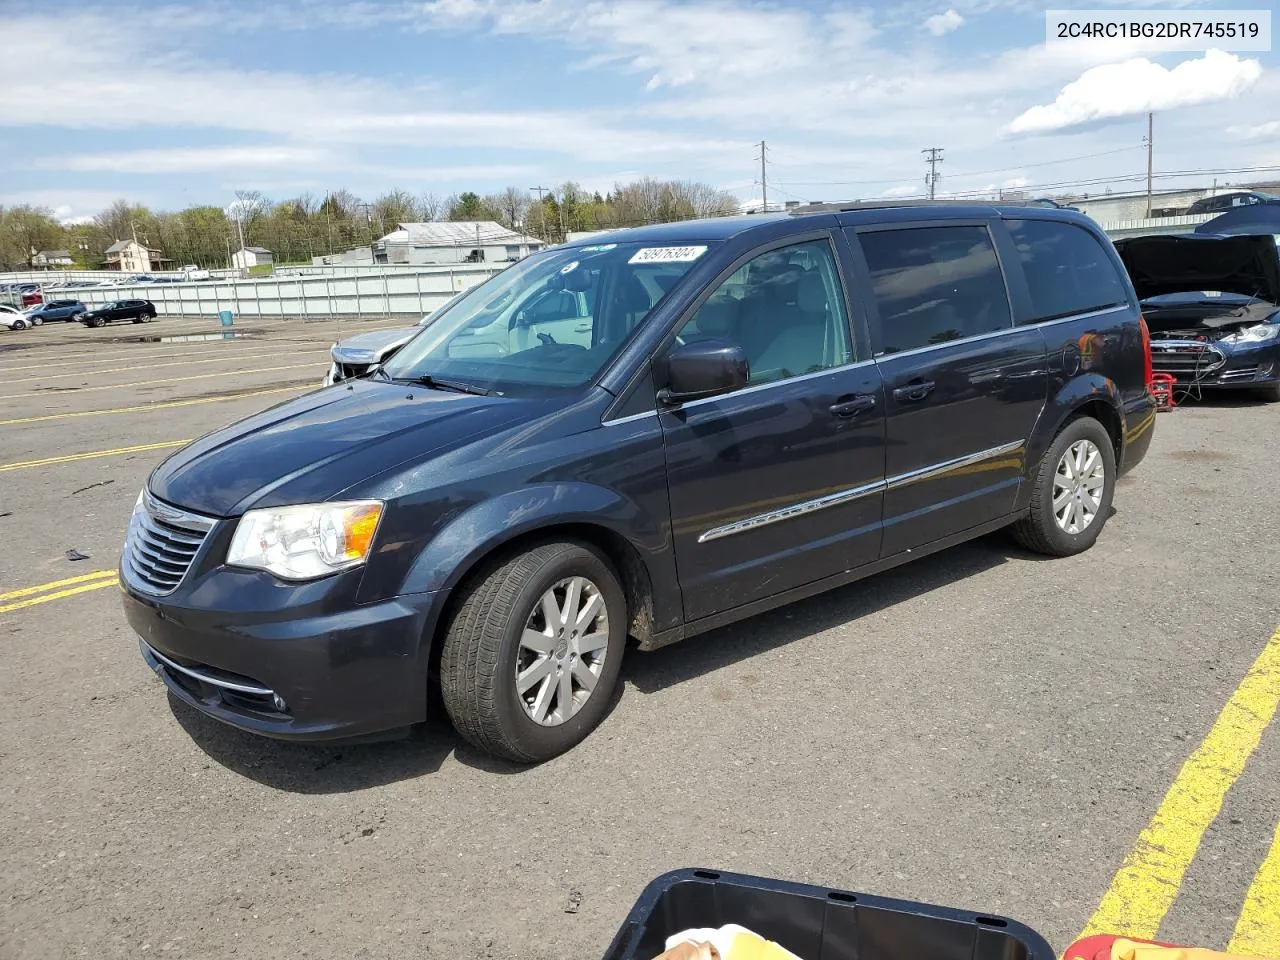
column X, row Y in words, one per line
column 561, row 651
column 1078, row 485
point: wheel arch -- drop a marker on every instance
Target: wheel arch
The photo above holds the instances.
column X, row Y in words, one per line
column 1092, row 396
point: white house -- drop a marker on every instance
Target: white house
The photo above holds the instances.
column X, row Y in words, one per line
column 252, row 257
column 129, row 256
column 52, row 259
column 454, row 241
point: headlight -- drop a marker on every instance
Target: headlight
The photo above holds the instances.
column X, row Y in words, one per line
column 308, row 541
column 1259, row 333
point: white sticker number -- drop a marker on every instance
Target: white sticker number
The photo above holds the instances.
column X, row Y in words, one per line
column 667, row 254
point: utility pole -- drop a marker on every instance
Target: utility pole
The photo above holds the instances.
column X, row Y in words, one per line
column 933, row 157
column 1150, row 126
column 764, row 181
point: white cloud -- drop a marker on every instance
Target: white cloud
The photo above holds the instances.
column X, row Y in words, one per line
column 941, row 23
column 187, row 159
column 902, row 190
column 1255, row 131
column 1137, row 86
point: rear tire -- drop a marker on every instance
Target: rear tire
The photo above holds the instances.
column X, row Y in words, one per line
column 1072, row 491
column 97, row 322
column 502, row 637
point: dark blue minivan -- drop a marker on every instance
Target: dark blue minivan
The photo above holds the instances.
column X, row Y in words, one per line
column 630, row 440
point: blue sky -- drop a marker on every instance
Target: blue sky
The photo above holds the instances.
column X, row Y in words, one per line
column 171, row 104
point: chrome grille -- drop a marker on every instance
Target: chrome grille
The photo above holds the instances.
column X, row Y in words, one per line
column 162, row 543
column 1240, row 373
column 1188, row 357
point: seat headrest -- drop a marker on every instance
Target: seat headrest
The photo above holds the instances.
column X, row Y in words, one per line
column 718, row 317
column 811, row 293
column 632, row 297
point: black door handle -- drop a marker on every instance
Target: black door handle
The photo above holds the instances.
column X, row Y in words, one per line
column 854, row 406
column 915, row 390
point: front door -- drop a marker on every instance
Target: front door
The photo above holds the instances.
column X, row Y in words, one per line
column 963, row 385
column 780, row 483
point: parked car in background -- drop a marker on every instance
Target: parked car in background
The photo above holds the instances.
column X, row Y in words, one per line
column 360, row 355
column 193, row 272
column 67, row 310
column 1229, row 201
column 139, row 311
column 754, row 409
column 13, row 318
column 1212, row 305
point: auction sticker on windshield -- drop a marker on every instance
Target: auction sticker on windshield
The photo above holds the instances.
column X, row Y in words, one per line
column 667, row 254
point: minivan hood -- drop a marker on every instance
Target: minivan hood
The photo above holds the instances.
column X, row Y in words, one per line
column 1248, row 265
column 368, row 347
column 310, row 449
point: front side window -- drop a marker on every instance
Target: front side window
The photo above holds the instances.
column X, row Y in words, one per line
column 933, row 285
column 785, row 308
column 1067, row 270
column 550, row 321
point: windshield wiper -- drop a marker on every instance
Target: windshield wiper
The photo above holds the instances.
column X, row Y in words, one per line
column 457, row 386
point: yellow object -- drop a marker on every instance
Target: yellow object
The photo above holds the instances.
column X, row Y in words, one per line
column 1129, row 950
column 732, row 942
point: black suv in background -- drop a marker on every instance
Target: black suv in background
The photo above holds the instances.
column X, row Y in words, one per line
column 139, row 311
column 724, row 416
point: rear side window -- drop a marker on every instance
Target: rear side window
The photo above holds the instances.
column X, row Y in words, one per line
column 933, row 285
column 1067, row 270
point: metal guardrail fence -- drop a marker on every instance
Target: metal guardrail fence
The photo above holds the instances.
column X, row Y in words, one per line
column 375, row 292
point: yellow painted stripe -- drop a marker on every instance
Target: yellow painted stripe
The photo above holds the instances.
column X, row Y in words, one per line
column 175, row 363
column 147, row 383
column 96, row 585
column 92, row 455
column 1257, row 931
column 1147, row 882
column 146, row 407
column 29, row 591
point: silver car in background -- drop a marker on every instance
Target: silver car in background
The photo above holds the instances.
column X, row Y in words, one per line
column 362, row 354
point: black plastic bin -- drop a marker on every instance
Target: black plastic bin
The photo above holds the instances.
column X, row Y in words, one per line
column 816, row 923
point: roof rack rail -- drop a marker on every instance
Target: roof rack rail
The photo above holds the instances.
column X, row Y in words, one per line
column 847, row 205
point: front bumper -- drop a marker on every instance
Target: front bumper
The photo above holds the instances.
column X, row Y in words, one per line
column 1199, row 364
column 293, row 661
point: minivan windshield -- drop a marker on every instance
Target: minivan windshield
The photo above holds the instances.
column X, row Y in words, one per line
column 551, row 321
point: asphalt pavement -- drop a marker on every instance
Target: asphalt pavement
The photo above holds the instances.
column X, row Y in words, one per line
column 1046, row 739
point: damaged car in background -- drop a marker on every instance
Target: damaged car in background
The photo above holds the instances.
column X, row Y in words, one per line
column 364, row 353
column 1211, row 304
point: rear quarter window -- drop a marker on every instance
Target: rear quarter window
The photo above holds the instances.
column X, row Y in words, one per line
column 1067, row 269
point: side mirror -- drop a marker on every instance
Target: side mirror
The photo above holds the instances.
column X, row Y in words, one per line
column 703, row 369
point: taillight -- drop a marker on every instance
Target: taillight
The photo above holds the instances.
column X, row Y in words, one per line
column 1146, row 349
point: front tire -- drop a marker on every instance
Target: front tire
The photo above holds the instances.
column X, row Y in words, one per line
column 19, row 325
column 1072, row 492
column 532, row 655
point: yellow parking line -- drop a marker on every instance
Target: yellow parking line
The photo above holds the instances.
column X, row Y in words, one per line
column 146, row 383
column 91, row 455
column 70, row 581
column 96, row 585
column 176, row 363
column 146, row 407
column 1147, row 882
column 1257, row 931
